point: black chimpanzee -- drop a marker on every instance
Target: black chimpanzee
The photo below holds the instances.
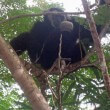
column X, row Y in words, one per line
column 102, row 2
column 42, row 42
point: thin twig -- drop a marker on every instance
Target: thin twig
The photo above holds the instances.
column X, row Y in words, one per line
column 60, row 75
column 59, row 55
column 104, row 30
column 47, row 79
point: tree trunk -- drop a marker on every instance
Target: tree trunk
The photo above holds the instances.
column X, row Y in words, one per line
column 21, row 75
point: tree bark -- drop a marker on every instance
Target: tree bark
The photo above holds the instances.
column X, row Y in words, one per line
column 21, row 75
column 97, row 45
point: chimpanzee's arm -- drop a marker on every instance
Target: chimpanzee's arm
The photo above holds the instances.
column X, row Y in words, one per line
column 20, row 43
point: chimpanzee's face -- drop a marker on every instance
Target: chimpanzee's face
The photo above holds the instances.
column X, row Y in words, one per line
column 56, row 19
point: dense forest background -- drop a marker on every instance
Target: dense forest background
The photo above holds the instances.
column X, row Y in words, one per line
column 79, row 90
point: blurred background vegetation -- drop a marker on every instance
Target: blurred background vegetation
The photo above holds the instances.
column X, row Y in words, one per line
column 83, row 90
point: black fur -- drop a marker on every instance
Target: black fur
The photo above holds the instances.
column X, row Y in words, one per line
column 42, row 42
column 102, row 2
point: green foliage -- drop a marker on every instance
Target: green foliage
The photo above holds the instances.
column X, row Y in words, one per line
column 84, row 86
column 103, row 15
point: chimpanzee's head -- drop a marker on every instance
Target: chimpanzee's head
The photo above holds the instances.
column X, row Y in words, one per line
column 58, row 20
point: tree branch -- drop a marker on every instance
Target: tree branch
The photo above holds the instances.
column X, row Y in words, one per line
column 97, row 45
column 21, row 75
column 40, row 14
